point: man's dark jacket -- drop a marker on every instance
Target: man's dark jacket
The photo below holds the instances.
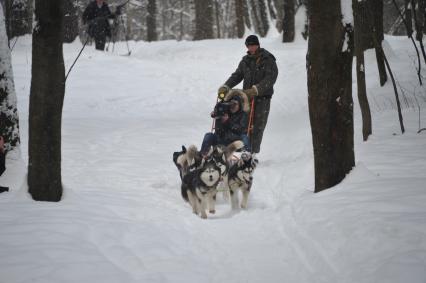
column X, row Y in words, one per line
column 259, row 69
column 97, row 18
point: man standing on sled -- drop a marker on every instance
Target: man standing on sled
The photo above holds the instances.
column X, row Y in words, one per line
column 259, row 71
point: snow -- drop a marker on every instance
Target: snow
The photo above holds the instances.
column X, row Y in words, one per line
column 122, row 218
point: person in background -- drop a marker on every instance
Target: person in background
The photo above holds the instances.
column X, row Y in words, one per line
column 96, row 15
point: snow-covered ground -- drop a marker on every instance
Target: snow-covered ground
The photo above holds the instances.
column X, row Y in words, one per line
column 122, row 218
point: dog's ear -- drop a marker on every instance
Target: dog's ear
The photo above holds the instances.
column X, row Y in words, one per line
column 183, row 149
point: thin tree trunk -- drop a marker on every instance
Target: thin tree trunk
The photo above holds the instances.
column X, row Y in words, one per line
column 46, row 101
column 239, row 14
column 361, row 26
column 379, row 47
column 181, row 20
column 203, row 19
column 216, row 5
column 288, row 21
column 378, row 24
column 362, row 96
column 329, row 71
column 151, row 21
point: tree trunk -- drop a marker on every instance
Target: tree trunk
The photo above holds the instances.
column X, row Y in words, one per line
column 329, row 71
column 203, row 19
column 46, row 101
column 362, row 27
column 378, row 24
column 9, row 122
column 247, row 18
column 239, row 15
column 151, row 21
column 279, row 8
column 408, row 18
column 70, row 21
column 217, row 11
column 288, row 21
column 260, row 17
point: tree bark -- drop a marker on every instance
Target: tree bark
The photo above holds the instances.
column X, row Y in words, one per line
column 151, row 21
column 239, row 14
column 260, row 18
column 288, row 21
column 217, row 11
column 203, row 19
column 9, row 122
column 46, row 101
column 361, row 25
column 378, row 25
column 329, row 71
column 70, row 21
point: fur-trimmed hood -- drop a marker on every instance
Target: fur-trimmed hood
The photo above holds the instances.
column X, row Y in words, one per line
column 242, row 95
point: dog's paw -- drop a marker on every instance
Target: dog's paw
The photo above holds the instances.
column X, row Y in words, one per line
column 243, row 206
column 203, row 216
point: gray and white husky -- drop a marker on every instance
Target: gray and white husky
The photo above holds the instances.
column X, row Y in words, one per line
column 199, row 187
column 240, row 178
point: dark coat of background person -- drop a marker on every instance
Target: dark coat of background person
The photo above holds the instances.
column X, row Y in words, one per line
column 261, row 70
column 97, row 18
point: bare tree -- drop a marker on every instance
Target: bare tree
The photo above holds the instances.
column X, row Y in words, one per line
column 46, row 101
column 362, row 35
column 239, row 15
column 70, row 21
column 288, row 21
column 259, row 16
column 151, row 21
column 203, row 19
column 9, row 122
column 329, row 68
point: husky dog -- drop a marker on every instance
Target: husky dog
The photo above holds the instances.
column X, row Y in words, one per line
column 187, row 159
column 199, row 187
column 222, row 155
column 240, row 177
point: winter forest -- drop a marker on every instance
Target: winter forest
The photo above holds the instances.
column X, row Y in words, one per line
column 212, row 141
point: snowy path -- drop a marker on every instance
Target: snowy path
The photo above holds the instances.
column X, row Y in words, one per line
column 122, row 218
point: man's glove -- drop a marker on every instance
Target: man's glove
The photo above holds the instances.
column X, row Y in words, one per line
column 222, row 91
column 251, row 92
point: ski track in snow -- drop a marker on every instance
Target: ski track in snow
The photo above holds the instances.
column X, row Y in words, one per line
column 122, row 218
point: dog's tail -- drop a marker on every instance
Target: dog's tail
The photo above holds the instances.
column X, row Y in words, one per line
column 192, row 152
column 232, row 147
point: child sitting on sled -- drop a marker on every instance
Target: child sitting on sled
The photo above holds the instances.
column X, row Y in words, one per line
column 231, row 122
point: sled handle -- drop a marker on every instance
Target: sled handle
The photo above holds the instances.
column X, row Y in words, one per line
column 250, row 125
